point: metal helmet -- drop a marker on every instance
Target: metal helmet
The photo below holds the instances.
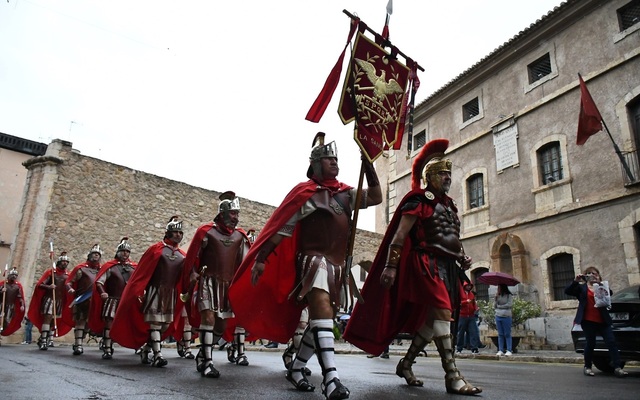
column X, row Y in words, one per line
column 95, row 249
column 318, row 152
column 174, row 225
column 430, row 160
column 228, row 202
column 123, row 246
column 63, row 257
column 13, row 273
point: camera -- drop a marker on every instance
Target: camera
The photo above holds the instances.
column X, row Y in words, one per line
column 586, row 277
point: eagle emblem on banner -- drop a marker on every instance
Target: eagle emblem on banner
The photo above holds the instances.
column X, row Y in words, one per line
column 373, row 94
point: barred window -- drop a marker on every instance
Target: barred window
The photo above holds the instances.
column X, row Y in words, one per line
column 481, row 289
column 550, row 162
column 470, row 110
column 475, row 188
column 419, row 139
column 629, row 15
column 561, row 273
column 539, row 68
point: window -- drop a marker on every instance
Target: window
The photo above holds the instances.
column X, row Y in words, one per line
column 470, row 110
column 475, row 188
column 539, row 68
column 481, row 289
column 550, row 162
column 629, row 15
column 419, row 140
column 561, row 273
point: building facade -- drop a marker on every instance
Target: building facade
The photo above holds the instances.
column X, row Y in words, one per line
column 532, row 202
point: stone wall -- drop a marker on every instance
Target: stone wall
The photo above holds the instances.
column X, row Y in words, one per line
column 78, row 201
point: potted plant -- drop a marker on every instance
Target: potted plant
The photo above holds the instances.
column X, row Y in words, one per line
column 521, row 311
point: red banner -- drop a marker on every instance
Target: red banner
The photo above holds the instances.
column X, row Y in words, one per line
column 373, row 94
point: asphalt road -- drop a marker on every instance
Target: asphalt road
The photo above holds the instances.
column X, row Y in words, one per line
column 27, row 373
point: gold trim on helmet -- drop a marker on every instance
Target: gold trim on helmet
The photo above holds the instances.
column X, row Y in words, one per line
column 435, row 165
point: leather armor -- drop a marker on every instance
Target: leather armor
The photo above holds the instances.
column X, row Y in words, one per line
column 222, row 255
column 168, row 269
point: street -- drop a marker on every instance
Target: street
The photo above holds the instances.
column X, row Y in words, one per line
column 28, row 373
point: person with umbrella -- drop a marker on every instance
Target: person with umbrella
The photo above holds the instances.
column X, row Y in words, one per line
column 503, row 302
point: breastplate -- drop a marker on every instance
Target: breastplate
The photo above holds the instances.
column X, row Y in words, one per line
column 168, row 269
column 12, row 293
column 223, row 254
column 85, row 283
column 441, row 232
column 118, row 278
column 326, row 230
column 60, row 289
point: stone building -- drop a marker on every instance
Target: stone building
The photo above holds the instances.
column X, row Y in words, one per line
column 532, row 202
column 77, row 201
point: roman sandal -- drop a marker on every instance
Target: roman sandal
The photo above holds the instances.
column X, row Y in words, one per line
column 303, row 384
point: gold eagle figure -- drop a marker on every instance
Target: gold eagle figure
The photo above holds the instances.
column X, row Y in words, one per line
column 381, row 88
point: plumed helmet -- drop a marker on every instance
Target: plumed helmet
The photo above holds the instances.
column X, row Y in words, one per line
column 174, row 225
column 13, row 273
column 95, row 249
column 124, row 245
column 63, row 257
column 228, row 202
column 430, row 160
column 319, row 151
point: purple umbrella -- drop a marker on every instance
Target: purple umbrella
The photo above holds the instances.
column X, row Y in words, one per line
column 498, row 278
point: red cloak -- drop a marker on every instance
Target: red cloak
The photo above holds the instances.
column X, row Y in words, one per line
column 95, row 321
column 128, row 328
column 18, row 315
column 67, row 318
column 193, row 259
column 384, row 313
column 265, row 310
column 36, row 300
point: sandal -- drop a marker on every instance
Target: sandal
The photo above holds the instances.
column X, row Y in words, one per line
column 588, row 371
column 340, row 391
column 407, row 374
column 209, row 371
column 242, row 360
column 159, row 361
column 189, row 355
column 467, row 389
column 303, row 384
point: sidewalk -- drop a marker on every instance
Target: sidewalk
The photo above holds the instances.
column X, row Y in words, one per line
column 546, row 356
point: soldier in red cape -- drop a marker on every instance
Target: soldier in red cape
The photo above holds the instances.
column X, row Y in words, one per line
column 41, row 307
column 299, row 260
column 214, row 255
column 109, row 285
column 12, row 297
column 149, row 304
column 79, row 287
column 414, row 278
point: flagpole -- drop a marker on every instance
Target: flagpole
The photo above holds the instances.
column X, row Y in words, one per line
column 619, row 153
column 353, row 289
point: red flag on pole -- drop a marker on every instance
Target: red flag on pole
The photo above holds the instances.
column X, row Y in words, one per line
column 590, row 121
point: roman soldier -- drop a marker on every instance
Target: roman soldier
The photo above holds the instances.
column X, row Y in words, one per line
column 298, row 260
column 12, row 304
column 150, row 301
column 50, row 286
column 213, row 257
column 79, row 285
column 110, row 282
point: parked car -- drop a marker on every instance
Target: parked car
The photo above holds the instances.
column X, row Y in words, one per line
column 625, row 313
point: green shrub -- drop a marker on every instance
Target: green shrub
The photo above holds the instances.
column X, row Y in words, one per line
column 521, row 311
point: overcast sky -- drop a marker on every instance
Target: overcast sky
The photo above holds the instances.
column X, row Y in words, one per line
column 214, row 93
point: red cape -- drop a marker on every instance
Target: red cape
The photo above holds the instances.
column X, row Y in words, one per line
column 374, row 324
column 95, row 321
column 128, row 328
column 16, row 321
column 36, row 299
column 264, row 310
column 193, row 258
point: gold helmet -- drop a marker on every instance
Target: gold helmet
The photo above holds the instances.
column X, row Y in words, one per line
column 430, row 161
column 320, row 151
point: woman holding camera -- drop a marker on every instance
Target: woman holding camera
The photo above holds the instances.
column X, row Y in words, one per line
column 593, row 320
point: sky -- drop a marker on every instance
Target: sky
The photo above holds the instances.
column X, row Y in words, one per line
column 215, row 93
